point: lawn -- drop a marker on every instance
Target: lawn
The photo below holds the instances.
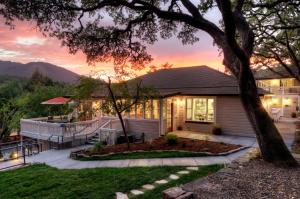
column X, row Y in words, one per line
column 41, row 181
column 141, row 155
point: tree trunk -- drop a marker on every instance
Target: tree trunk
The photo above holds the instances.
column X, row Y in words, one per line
column 272, row 146
column 124, row 129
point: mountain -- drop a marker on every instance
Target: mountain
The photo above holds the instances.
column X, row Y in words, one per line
column 56, row 73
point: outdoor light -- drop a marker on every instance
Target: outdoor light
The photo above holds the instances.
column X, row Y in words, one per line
column 14, row 155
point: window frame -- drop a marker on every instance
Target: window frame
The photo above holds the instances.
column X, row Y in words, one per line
column 192, row 109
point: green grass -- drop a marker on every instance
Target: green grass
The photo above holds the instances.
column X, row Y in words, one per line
column 41, row 181
column 141, row 155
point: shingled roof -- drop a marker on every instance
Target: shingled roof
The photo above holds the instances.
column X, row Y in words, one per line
column 197, row 80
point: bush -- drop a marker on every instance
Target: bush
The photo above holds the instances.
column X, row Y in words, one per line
column 1, row 155
column 293, row 115
column 97, row 147
column 171, row 139
column 216, row 129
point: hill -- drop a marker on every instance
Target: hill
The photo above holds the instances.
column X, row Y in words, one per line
column 56, row 73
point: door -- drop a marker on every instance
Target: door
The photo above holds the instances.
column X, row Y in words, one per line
column 170, row 116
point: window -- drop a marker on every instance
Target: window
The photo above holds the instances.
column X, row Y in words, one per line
column 156, row 111
column 139, row 111
column 200, row 109
column 148, row 109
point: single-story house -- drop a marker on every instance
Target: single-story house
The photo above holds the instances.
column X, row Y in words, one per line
column 193, row 99
column 190, row 98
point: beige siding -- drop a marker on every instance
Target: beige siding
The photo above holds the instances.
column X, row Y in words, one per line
column 232, row 117
column 139, row 126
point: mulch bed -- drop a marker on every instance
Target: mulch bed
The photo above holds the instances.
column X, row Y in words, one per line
column 183, row 144
column 254, row 179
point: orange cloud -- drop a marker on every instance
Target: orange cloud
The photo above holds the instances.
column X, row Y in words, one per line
column 26, row 44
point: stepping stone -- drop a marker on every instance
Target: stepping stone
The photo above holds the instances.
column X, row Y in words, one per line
column 136, row 192
column 148, row 186
column 120, row 195
column 192, row 168
column 161, row 182
column 183, row 172
column 174, row 177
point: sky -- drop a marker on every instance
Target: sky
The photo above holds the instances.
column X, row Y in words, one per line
column 26, row 44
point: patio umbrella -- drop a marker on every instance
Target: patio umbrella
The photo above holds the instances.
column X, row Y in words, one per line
column 57, row 101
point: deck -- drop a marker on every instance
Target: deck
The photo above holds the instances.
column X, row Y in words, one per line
column 61, row 132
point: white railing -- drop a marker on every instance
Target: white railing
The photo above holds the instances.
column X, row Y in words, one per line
column 281, row 89
column 57, row 132
column 108, row 132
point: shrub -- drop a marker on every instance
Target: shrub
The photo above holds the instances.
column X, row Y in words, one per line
column 1, row 155
column 216, row 129
column 97, row 147
column 171, row 139
column 293, row 115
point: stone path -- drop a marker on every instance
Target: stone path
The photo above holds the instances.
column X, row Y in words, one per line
column 141, row 191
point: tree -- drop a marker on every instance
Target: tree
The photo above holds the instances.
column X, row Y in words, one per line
column 277, row 37
column 80, row 26
column 119, row 97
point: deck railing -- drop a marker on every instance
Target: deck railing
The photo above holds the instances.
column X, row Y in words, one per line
column 57, row 132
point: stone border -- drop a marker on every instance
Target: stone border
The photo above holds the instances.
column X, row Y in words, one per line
column 181, row 192
column 77, row 154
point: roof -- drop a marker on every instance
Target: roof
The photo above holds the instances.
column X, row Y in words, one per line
column 197, row 80
column 57, row 100
column 280, row 73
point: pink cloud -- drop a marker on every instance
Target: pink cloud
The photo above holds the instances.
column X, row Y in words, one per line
column 26, row 44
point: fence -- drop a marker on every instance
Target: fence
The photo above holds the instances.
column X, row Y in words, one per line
column 13, row 154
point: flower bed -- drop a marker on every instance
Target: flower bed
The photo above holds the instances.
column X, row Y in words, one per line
column 184, row 148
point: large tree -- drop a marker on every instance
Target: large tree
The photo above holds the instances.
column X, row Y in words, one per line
column 82, row 25
column 277, row 36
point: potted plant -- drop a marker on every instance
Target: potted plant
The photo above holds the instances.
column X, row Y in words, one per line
column 216, row 129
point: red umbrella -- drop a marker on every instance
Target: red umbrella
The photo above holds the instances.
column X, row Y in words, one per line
column 57, row 100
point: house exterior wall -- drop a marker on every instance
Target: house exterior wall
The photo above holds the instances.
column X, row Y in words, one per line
column 232, row 118
column 229, row 114
column 139, row 126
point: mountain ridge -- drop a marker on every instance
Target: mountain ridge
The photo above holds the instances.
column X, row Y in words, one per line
column 54, row 72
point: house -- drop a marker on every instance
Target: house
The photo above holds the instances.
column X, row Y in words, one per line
column 284, row 97
column 190, row 98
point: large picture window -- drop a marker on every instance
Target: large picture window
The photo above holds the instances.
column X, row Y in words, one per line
column 200, row 109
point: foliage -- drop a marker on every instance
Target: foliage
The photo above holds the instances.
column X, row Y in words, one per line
column 277, row 41
column 171, row 139
column 118, row 97
column 22, row 99
column 216, row 129
column 98, row 147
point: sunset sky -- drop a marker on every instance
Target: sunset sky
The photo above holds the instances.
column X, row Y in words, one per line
column 25, row 44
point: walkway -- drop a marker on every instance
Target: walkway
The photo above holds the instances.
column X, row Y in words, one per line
column 60, row 159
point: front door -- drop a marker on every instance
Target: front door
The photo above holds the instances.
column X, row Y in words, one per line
column 170, row 115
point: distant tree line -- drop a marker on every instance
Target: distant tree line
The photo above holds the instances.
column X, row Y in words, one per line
column 21, row 98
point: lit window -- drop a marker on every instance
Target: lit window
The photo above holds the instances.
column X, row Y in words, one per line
column 155, row 109
column 148, row 109
column 200, row 109
column 139, row 111
column 132, row 112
